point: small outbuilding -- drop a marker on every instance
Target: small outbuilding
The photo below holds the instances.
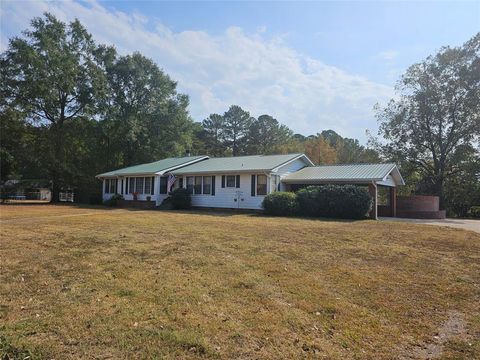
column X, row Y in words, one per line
column 381, row 180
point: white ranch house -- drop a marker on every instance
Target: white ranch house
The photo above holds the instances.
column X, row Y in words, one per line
column 242, row 182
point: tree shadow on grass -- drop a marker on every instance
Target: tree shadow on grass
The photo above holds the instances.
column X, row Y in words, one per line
column 215, row 212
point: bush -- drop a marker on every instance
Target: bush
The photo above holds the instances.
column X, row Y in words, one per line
column 474, row 212
column 95, row 199
column 181, row 199
column 340, row 201
column 113, row 201
column 280, row 203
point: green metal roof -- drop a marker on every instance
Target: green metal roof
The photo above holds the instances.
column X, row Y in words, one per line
column 154, row 167
column 239, row 164
column 355, row 173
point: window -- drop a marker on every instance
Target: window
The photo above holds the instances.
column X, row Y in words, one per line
column 197, row 189
column 230, row 181
column 148, row 185
column 207, row 185
column 131, row 188
column 261, row 185
column 139, row 185
column 110, row 186
column 163, row 185
column 190, row 184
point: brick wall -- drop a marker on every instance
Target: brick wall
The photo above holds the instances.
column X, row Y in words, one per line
column 418, row 203
column 419, row 207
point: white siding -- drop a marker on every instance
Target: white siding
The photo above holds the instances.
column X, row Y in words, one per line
column 225, row 197
column 389, row 181
column 288, row 169
column 232, row 198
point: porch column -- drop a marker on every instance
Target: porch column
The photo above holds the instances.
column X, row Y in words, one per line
column 393, row 201
column 372, row 189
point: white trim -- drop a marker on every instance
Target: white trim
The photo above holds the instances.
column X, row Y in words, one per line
column 267, row 178
column 162, row 172
column 234, row 180
column 309, row 162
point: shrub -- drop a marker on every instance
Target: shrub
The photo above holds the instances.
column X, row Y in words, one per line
column 280, row 203
column 474, row 212
column 95, row 199
column 166, row 204
column 340, row 201
column 113, row 201
column 181, row 199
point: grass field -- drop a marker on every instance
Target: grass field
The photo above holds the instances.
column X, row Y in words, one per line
column 100, row 283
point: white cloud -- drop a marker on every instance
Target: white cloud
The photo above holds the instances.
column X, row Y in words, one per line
column 388, row 55
column 263, row 75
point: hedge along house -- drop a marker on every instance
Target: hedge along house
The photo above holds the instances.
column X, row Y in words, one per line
column 238, row 182
column 145, row 182
column 381, row 180
column 242, row 182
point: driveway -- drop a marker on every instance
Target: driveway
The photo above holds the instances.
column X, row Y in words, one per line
column 466, row 224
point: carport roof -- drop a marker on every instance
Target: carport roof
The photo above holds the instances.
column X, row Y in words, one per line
column 345, row 173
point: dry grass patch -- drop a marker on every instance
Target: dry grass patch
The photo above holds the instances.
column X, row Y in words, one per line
column 98, row 283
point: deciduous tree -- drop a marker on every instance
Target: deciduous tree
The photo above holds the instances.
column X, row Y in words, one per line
column 435, row 121
column 146, row 118
column 51, row 75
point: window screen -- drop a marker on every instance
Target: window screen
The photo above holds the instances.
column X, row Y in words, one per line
column 261, row 185
column 198, row 185
column 230, row 180
column 190, row 184
column 131, row 188
column 148, row 185
column 139, row 185
column 207, row 185
column 163, row 185
column 113, row 186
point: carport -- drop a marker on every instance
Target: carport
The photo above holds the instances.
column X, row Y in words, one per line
column 381, row 180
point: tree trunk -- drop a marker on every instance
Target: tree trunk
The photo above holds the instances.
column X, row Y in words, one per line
column 438, row 190
column 58, row 161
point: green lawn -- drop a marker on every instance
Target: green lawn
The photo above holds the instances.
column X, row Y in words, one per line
column 87, row 282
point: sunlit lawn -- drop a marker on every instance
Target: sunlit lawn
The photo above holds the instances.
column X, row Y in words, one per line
column 100, row 283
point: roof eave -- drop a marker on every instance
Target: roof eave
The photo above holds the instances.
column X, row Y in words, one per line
column 299, row 156
column 129, row 174
column 250, row 171
column 170, row 169
column 332, row 181
column 396, row 176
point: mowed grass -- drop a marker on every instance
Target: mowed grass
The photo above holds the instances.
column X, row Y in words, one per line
column 100, row 283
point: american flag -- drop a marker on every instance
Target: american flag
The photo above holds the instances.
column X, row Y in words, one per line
column 170, row 182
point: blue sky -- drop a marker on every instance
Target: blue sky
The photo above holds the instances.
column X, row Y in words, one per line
column 313, row 65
